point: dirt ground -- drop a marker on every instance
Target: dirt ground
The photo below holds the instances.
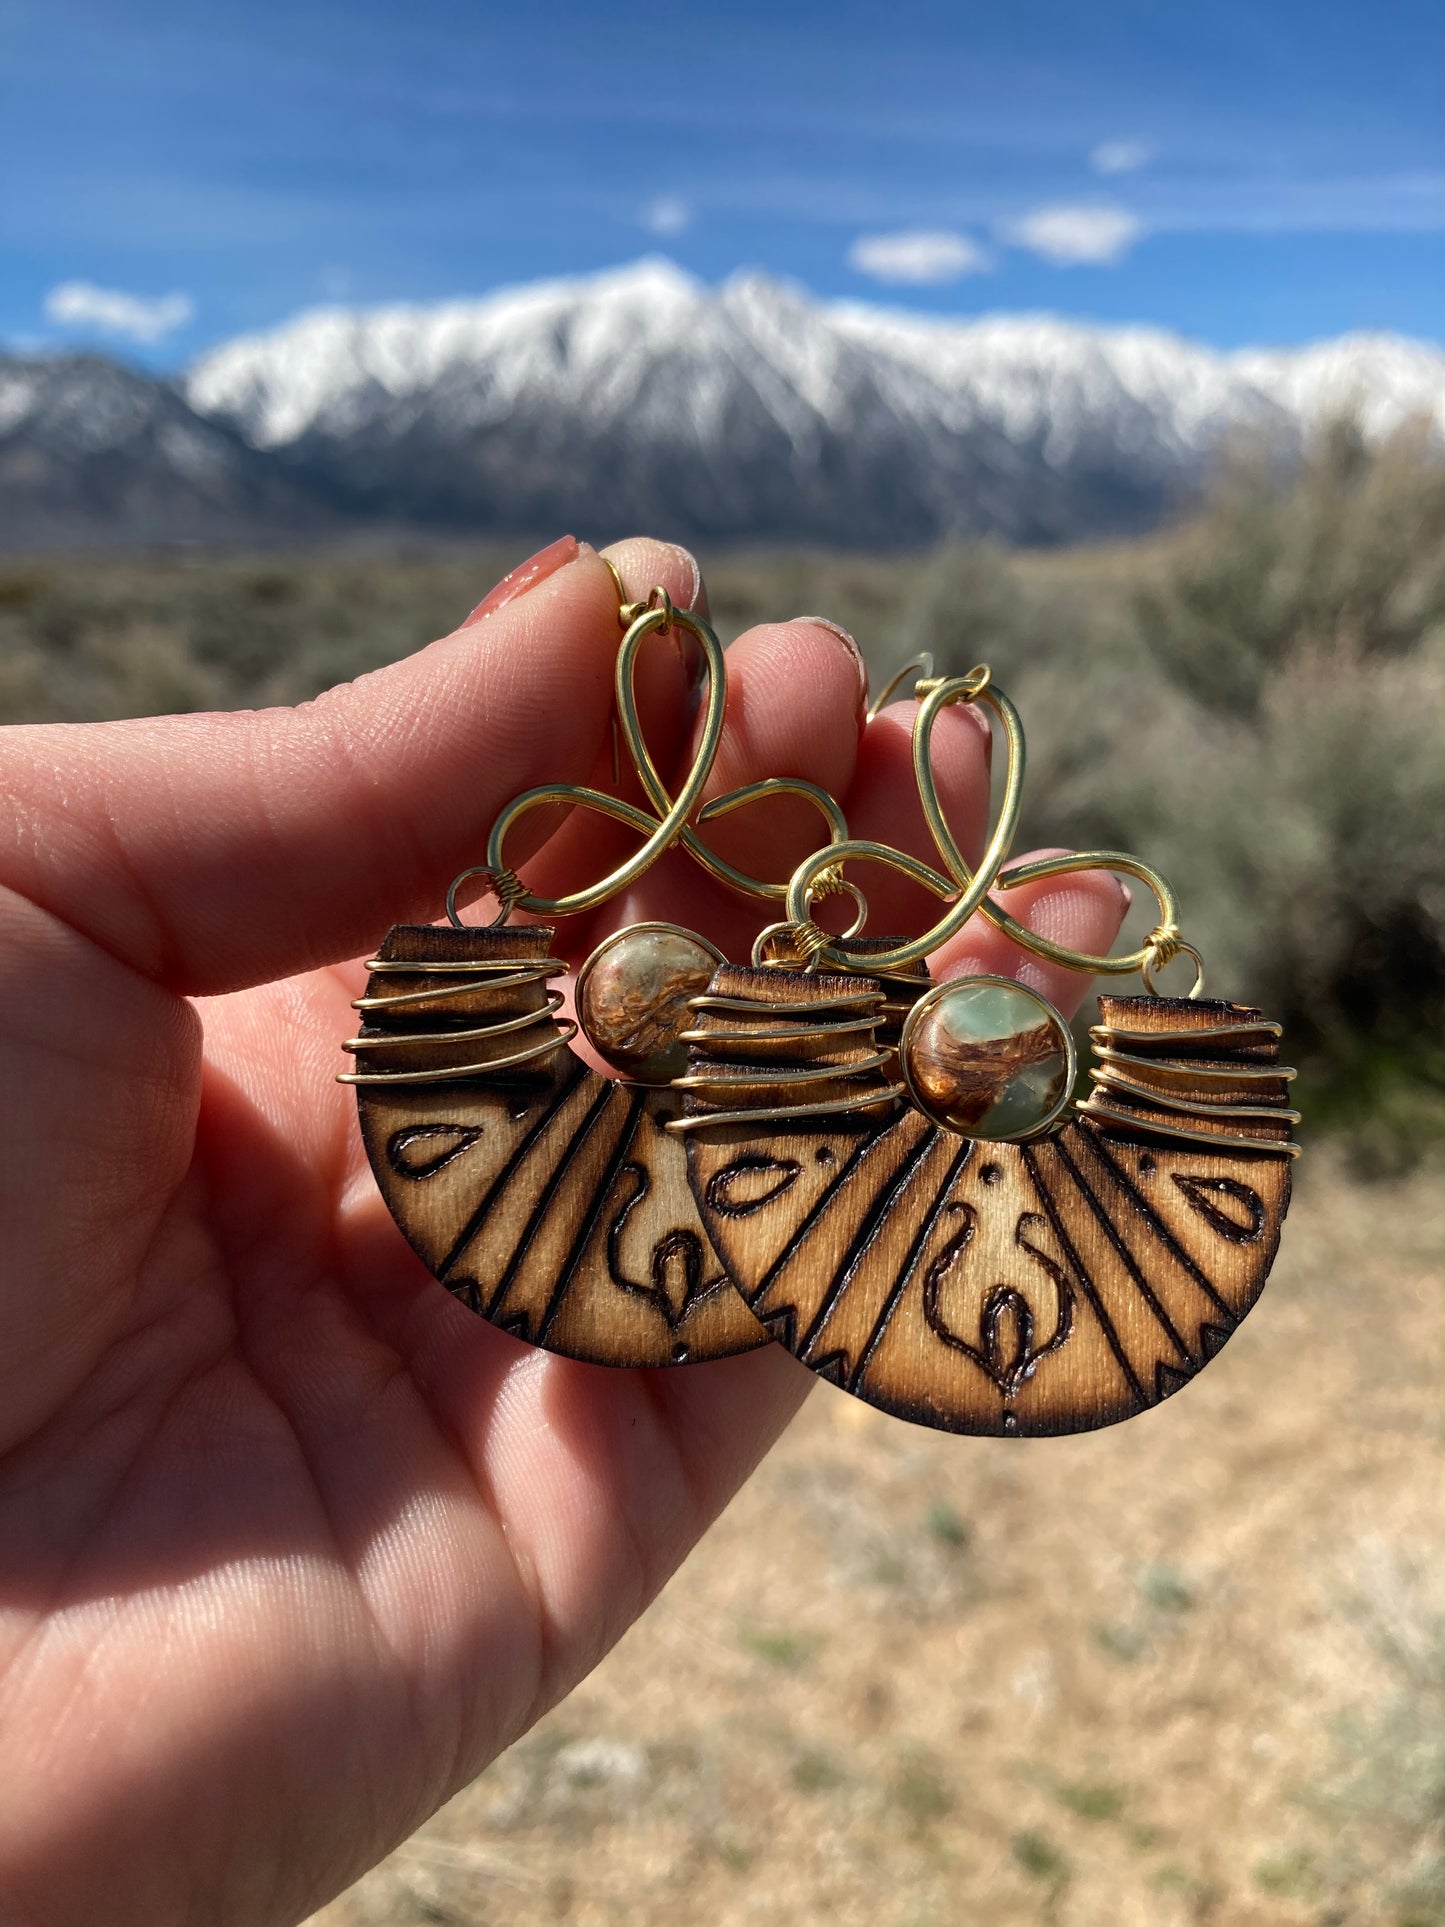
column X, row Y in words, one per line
column 1189, row 1670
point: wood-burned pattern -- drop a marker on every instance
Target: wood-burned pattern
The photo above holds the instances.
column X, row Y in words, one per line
column 1044, row 1287
column 549, row 1199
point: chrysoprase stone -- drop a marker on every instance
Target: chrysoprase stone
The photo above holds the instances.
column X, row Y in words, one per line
column 988, row 1059
column 632, row 1002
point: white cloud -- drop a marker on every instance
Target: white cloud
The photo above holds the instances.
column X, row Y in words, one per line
column 1077, row 236
column 918, row 256
column 1120, row 157
column 668, row 214
column 108, row 311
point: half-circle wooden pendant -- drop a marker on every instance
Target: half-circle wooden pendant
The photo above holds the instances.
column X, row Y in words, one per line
column 1043, row 1287
column 549, row 1199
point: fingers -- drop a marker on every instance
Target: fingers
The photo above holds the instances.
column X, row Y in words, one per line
column 645, row 563
column 215, row 851
column 1083, row 911
column 795, row 700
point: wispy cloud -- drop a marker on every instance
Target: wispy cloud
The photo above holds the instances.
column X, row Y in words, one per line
column 669, row 214
column 109, row 311
column 1071, row 237
column 1120, row 157
column 918, row 256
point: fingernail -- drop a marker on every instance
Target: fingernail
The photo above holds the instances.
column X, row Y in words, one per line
column 525, row 576
column 696, row 594
column 694, row 667
column 822, row 622
column 1125, row 892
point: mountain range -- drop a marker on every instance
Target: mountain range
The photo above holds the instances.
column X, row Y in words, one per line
column 644, row 399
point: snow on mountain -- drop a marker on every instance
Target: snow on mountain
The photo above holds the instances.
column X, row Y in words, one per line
column 642, row 398
column 750, row 411
column 331, row 369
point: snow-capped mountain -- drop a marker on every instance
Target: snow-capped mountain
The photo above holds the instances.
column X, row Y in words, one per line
column 747, row 412
column 95, row 454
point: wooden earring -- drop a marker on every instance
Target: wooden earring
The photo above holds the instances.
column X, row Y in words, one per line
column 550, row 1199
column 900, row 1203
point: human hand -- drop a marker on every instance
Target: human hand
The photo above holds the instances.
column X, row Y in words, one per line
column 291, row 1544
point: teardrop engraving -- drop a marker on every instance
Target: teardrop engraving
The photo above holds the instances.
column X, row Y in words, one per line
column 1245, row 1224
column 422, row 1150
column 753, row 1181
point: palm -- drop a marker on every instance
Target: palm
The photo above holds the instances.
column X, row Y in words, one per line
column 293, row 1542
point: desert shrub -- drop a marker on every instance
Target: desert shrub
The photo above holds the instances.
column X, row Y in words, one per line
column 1257, row 706
column 1311, row 805
column 1344, row 556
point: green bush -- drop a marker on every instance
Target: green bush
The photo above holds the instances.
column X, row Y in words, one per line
column 1258, row 706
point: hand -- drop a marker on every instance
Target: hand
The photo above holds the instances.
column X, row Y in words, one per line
column 291, row 1544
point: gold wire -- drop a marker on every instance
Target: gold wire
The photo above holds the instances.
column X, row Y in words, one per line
column 1221, row 1073
column 1124, row 1079
column 656, row 615
column 737, row 799
column 786, row 1113
column 845, row 1000
column 390, row 1039
column 845, row 1011
column 1152, row 1127
column 780, row 1033
column 1171, row 1101
column 968, row 891
column 1164, row 945
column 1210, row 1033
column 454, row 1074
column 495, row 973
column 757, row 1078
column 611, row 568
column 922, row 663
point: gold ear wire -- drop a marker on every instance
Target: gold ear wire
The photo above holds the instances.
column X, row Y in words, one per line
column 657, row 615
column 922, row 662
column 965, row 889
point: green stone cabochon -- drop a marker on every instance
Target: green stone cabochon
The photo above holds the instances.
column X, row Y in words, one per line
column 988, row 1059
column 632, row 999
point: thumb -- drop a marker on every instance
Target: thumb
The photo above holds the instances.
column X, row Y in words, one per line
column 212, row 852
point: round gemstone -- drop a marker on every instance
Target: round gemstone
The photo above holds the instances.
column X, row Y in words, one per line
column 632, row 998
column 988, row 1058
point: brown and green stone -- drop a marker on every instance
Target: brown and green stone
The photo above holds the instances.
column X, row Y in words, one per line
column 632, row 999
column 988, row 1059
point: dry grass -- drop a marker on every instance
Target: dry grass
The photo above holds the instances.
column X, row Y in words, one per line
column 1191, row 1670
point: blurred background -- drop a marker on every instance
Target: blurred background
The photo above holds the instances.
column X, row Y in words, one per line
column 1102, row 344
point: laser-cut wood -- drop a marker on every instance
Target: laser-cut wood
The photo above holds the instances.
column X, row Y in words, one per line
column 1040, row 1288
column 549, row 1199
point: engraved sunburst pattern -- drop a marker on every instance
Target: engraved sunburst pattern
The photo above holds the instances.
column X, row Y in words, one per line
column 551, row 1200
column 1044, row 1287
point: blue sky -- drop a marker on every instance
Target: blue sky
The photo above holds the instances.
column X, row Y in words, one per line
column 174, row 174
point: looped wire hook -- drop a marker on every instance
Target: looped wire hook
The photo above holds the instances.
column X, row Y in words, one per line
column 506, row 886
column 966, row 890
column 656, row 615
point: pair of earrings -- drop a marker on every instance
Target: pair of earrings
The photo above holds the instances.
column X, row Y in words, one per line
column 891, row 1177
